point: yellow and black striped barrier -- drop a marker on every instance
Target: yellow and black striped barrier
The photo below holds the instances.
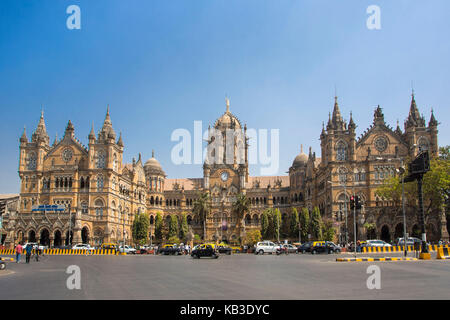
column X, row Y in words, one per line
column 431, row 248
column 443, row 253
column 374, row 259
column 59, row 252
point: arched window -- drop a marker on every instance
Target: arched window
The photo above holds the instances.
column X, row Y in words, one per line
column 84, row 208
column 100, row 182
column 101, row 159
column 341, row 151
column 115, row 162
column 31, row 165
column 98, row 207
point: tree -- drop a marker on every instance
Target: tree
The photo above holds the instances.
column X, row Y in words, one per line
column 140, row 228
column 293, row 226
column 173, row 227
column 252, row 237
column 240, row 207
column 436, row 186
column 265, row 223
column 277, row 224
column 201, row 209
column 158, row 227
column 316, row 224
column 304, row 224
column 173, row 239
column 328, row 231
column 184, row 227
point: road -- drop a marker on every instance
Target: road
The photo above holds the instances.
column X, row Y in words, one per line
column 239, row 276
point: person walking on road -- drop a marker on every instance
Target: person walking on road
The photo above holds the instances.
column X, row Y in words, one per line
column 19, row 249
column 28, row 250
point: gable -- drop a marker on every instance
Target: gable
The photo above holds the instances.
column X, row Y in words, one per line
column 68, row 152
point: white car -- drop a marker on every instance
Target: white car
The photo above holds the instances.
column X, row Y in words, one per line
column 35, row 245
column 377, row 243
column 128, row 249
column 266, row 247
column 83, row 246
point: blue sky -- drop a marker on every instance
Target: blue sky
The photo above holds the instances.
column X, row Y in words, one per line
column 160, row 65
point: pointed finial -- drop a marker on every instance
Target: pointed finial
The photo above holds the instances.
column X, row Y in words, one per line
column 24, row 138
column 301, row 148
column 153, row 153
column 227, row 101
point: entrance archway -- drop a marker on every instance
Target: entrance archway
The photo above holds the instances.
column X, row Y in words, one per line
column 371, row 234
column 45, row 238
column 85, row 235
column 31, row 236
column 399, row 232
column 385, row 235
column 58, row 241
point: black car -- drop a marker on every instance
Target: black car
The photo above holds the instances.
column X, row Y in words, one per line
column 324, row 247
column 204, row 251
column 224, row 249
column 305, row 247
column 170, row 249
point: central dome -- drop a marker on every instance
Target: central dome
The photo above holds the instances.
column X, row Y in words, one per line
column 153, row 166
column 301, row 159
column 227, row 120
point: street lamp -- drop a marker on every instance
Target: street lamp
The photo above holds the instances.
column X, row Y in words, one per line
column 70, row 223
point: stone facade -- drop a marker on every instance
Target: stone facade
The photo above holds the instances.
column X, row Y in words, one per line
column 103, row 194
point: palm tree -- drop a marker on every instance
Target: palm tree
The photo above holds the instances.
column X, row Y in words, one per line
column 201, row 208
column 240, row 207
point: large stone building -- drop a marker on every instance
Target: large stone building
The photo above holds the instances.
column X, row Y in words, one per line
column 103, row 194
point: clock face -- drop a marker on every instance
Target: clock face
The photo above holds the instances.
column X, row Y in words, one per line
column 224, row 176
column 381, row 144
column 67, row 155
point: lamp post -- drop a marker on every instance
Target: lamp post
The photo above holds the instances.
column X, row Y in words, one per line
column 70, row 224
column 402, row 170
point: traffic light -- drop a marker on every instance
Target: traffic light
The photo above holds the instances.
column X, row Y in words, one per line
column 358, row 203
column 352, row 202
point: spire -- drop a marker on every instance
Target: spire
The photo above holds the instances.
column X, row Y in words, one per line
column 92, row 133
column 69, row 129
column 351, row 124
column 120, row 142
column 398, row 130
column 107, row 130
column 301, row 148
column 414, row 118
column 41, row 131
column 227, row 101
column 24, row 138
column 337, row 121
column 433, row 122
column 56, row 139
column 153, row 153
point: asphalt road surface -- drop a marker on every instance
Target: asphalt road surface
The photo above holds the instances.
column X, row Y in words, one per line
column 239, row 276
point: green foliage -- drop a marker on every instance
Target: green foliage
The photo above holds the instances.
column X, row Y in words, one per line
column 173, row 239
column 201, row 209
column 184, row 228
column 252, row 237
column 276, row 223
column 140, row 228
column 294, row 221
column 304, row 224
column 316, row 224
column 173, row 227
column 240, row 207
column 158, row 227
column 197, row 239
column 265, row 223
column 328, row 232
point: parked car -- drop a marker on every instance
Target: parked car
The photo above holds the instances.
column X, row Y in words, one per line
column 305, row 247
column 223, row 248
column 266, row 247
column 324, row 247
column 170, row 249
column 290, row 248
column 83, row 246
column 108, row 246
column 375, row 243
column 410, row 242
column 204, row 250
column 35, row 245
column 127, row 250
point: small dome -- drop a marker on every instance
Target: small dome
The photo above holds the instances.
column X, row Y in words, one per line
column 153, row 165
column 227, row 120
column 301, row 159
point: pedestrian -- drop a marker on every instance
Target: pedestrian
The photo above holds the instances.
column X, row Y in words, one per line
column 18, row 252
column 28, row 250
column 358, row 246
column 37, row 251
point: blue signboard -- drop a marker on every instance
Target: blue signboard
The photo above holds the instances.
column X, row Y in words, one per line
column 49, row 207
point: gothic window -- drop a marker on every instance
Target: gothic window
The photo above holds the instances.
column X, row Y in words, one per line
column 341, row 151
column 84, row 208
column 115, row 162
column 342, row 172
column 98, row 207
column 100, row 182
column 31, row 161
column 101, row 159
